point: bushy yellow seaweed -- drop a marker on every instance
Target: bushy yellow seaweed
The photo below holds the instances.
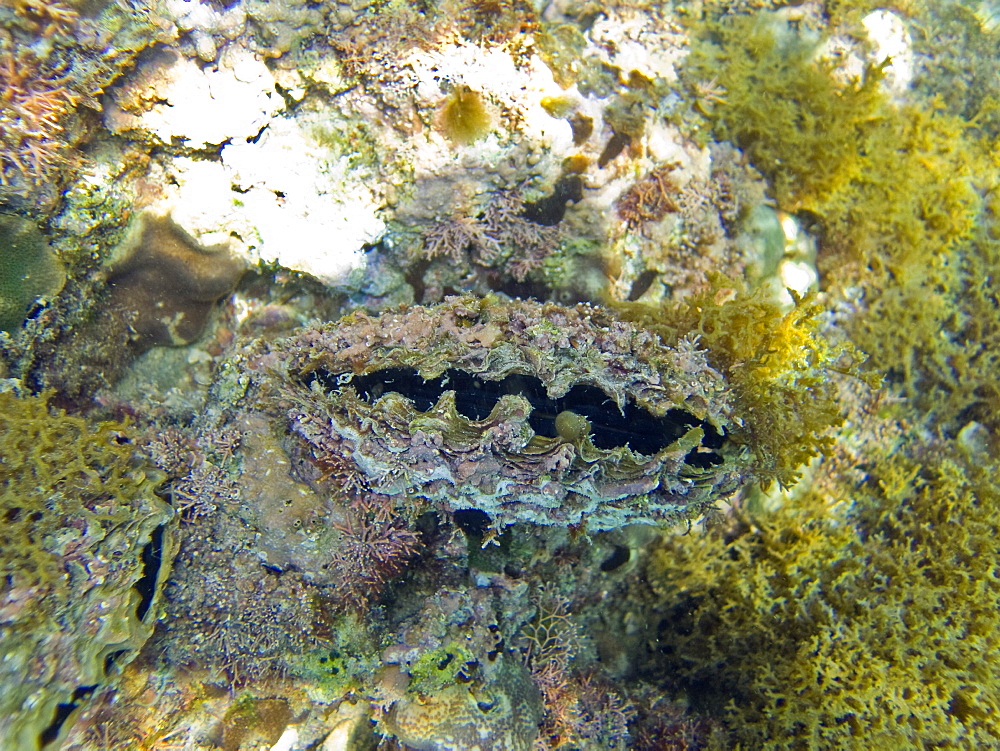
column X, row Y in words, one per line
column 784, row 107
column 85, row 548
column 778, row 364
column 880, row 630
column 862, row 613
column 896, row 192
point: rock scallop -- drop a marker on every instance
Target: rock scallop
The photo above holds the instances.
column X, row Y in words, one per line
column 529, row 412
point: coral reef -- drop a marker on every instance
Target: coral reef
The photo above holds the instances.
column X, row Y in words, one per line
column 415, row 511
column 85, row 550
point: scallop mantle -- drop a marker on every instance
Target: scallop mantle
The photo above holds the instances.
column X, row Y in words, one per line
column 386, row 400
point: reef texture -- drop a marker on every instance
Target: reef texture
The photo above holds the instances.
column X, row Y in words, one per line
column 502, row 715
column 395, row 524
column 85, row 549
column 527, row 412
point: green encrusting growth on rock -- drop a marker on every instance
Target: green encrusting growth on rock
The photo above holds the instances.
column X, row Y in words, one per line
column 28, row 269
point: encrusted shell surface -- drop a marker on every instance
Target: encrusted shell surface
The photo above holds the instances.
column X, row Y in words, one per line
column 458, row 404
column 85, row 553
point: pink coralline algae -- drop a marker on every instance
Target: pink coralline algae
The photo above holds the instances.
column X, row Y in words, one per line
column 528, row 412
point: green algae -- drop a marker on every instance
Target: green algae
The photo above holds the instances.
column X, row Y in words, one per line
column 440, row 668
column 28, row 269
column 781, row 105
column 897, row 191
column 879, row 632
column 861, row 612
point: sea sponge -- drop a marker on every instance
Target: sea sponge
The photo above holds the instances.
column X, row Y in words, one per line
column 85, row 549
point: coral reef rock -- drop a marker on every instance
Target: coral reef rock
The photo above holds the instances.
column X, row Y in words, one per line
column 525, row 411
column 503, row 715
